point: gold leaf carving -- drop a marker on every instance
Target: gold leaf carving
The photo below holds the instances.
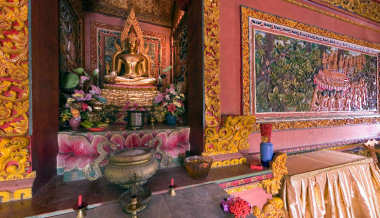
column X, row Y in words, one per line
column 279, row 170
column 274, row 208
column 14, row 94
column 211, row 62
column 285, row 125
column 14, row 159
column 230, row 137
column 14, row 84
column 368, row 9
column 335, row 15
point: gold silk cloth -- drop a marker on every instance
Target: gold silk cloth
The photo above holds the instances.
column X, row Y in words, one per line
column 332, row 184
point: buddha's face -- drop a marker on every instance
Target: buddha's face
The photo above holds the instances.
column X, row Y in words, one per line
column 132, row 45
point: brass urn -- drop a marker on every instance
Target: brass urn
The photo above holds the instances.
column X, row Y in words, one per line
column 131, row 167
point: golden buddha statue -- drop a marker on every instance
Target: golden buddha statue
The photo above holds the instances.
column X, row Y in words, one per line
column 130, row 79
column 129, row 66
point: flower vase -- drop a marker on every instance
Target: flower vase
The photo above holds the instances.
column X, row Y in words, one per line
column 74, row 123
column 171, row 120
column 266, row 153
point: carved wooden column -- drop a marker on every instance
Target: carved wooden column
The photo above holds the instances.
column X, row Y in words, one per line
column 16, row 175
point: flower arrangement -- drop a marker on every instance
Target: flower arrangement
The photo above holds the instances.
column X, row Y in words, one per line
column 169, row 102
column 237, row 206
column 80, row 97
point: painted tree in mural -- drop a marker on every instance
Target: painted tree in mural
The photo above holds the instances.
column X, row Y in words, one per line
column 293, row 75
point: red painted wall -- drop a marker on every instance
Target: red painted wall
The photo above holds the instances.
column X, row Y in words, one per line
column 230, row 78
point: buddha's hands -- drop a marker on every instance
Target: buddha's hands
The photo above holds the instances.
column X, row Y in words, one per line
column 110, row 78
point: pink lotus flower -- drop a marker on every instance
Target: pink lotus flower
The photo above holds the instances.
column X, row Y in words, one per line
column 80, row 95
column 171, row 108
column 158, row 98
column 95, row 90
column 83, row 79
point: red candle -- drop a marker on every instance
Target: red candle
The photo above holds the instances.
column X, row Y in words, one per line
column 79, row 200
column 172, row 182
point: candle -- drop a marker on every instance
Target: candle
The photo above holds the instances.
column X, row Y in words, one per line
column 79, row 200
column 172, row 182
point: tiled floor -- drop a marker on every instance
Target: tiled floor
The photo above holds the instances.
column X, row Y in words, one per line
column 57, row 195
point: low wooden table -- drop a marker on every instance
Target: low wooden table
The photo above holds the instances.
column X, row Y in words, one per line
column 331, row 184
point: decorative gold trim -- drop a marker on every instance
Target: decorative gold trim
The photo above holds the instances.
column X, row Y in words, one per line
column 14, row 159
column 15, row 163
column 14, row 84
column 285, row 125
column 211, row 57
column 245, row 14
column 330, row 14
column 19, row 194
column 242, row 188
column 229, row 162
column 279, row 170
column 367, row 9
column 274, row 208
column 229, row 138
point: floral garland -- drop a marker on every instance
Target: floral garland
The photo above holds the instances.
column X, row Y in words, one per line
column 236, row 206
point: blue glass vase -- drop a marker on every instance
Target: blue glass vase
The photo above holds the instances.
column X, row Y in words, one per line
column 171, row 120
column 266, row 153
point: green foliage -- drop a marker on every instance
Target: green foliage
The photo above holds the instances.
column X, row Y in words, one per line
column 284, row 72
column 70, row 81
column 79, row 70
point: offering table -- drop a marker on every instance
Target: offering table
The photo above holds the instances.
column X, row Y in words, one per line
column 331, row 184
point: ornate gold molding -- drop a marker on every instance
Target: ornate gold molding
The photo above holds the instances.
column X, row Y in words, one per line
column 14, row 84
column 14, row 159
column 242, row 188
column 274, row 208
column 331, row 14
column 15, row 164
column 229, row 162
column 229, row 138
column 279, row 170
column 285, row 125
column 19, row 194
column 367, row 9
column 246, row 77
column 211, row 57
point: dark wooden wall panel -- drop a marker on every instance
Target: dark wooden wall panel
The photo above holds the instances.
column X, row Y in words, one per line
column 195, row 77
column 45, row 89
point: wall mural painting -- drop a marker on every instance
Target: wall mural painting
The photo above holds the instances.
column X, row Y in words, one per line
column 300, row 72
column 107, row 39
column 70, row 38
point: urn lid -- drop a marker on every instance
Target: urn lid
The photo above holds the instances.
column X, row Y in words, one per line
column 132, row 155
